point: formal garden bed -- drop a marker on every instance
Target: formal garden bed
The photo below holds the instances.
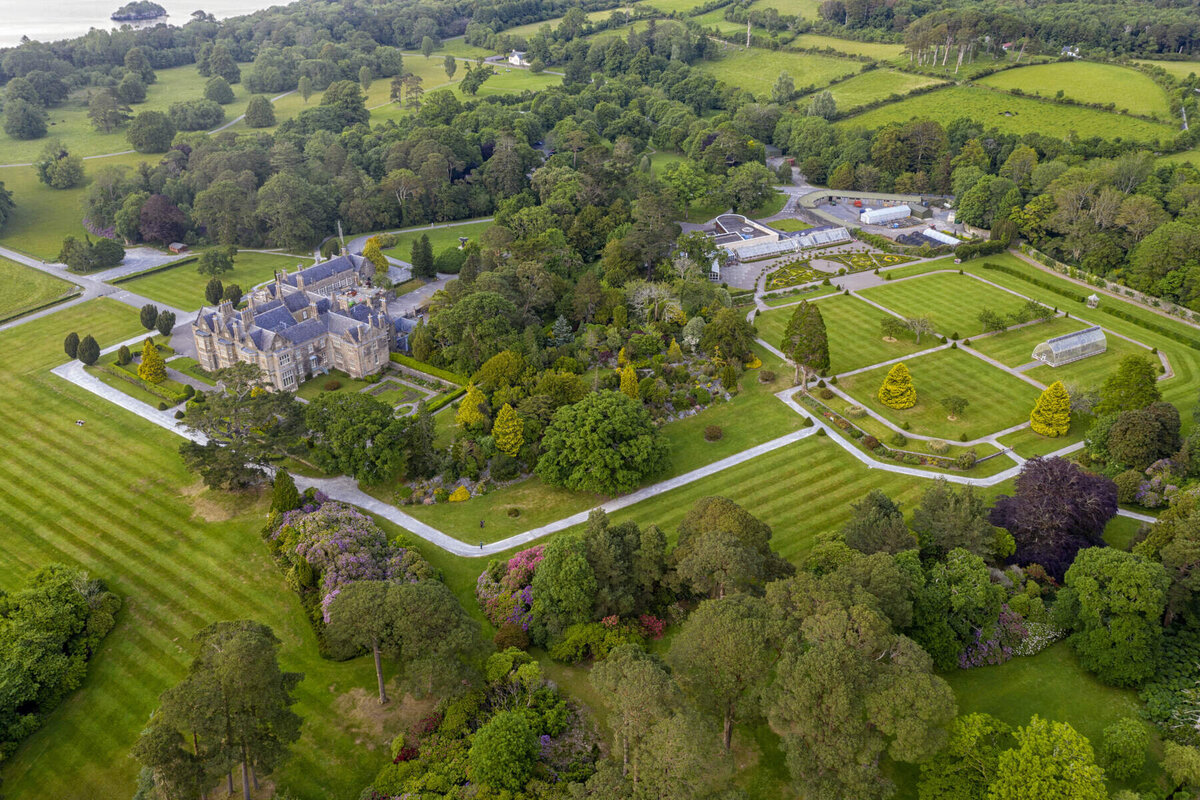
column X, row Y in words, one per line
column 793, row 273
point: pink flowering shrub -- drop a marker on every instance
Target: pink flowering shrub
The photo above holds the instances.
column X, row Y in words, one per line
column 341, row 545
column 652, row 626
column 505, row 589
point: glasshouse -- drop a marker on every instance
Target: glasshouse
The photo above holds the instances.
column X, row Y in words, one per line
column 878, row 216
column 1071, row 347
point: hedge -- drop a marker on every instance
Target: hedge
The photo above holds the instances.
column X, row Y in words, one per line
column 1070, row 294
column 421, row 366
column 445, row 399
column 990, row 247
column 158, row 390
column 160, row 268
column 1154, row 327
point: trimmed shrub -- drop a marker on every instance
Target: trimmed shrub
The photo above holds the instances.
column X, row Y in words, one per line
column 870, row 442
column 966, row 460
column 513, row 512
column 898, row 439
column 162, row 406
column 938, row 447
column 856, row 412
column 713, row 433
column 178, row 415
column 826, row 394
column 766, row 376
column 332, row 385
column 460, row 494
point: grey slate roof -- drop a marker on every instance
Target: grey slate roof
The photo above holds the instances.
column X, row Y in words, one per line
column 319, row 272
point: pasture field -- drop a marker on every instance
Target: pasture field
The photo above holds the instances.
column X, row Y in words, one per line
column 953, row 301
column 1087, row 82
column 998, row 400
column 114, row 498
column 1182, row 157
column 1179, row 69
column 508, row 80
column 756, row 70
column 440, row 238
column 853, row 328
column 529, row 29
column 716, row 19
column 1015, row 347
column 26, row 289
column 458, row 47
column 69, row 122
column 883, row 51
column 44, row 216
column 183, row 287
column 1012, row 114
column 875, row 85
column 805, row 9
column 681, row 7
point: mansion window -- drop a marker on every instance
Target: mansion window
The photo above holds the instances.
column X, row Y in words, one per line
column 288, row 380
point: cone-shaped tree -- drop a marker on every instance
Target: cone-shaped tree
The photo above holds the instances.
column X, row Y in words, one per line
column 509, row 431
column 152, row 369
column 1052, row 414
column 805, row 341
column 88, row 350
column 622, row 358
column 371, row 252
column 284, row 497
column 470, row 410
column 71, row 344
column 897, row 390
column 674, row 352
column 629, row 382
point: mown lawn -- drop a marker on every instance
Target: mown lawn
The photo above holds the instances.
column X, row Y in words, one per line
column 1012, row 114
column 1052, row 685
column 441, row 238
column 1180, row 69
column 997, row 400
column 1087, row 82
column 26, row 288
column 183, row 286
column 43, row 217
column 1091, row 371
column 852, row 326
column 1028, row 444
column 114, row 498
column 953, row 301
column 1015, row 347
column 69, row 122
column 756, row 70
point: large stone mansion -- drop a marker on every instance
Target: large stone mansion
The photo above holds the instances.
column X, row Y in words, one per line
column 302, row 324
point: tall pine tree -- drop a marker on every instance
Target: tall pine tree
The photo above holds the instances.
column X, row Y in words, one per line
column 805, row 341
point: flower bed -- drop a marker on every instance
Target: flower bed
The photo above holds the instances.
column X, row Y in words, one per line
column 792, row 274
column 325, row 546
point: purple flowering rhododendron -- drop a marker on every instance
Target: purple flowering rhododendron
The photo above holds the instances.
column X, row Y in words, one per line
column 506, row 594
column 343, row 545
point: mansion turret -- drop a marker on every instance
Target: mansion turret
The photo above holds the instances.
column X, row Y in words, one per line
column 302, row 324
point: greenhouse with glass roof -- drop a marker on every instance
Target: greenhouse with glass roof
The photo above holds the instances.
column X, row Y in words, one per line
column 1071, row 347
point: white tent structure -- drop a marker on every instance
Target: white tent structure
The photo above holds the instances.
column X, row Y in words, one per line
column 1071, row 347
column 878, row 216
column 938, row 236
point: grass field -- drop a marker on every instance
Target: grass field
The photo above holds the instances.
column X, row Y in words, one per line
column 875, row 85
column 1180, row 69
column 113, row 497
column 1184, row 157
column 790, row 224
column 27, row 288
column 756, row 70
column 1053, row 686
column 716, row 19
column 69, row 121
column 1092, row 371
column 879, row 50
column 183, row 287
column 672, row 6
column 805, row 9
column 1185, row 361
column 43, row 217
column 1014, row 348
column 1012, row 115
column 855, row 340
column 440, row 238
column 1087, row 82
column 953, row 301
column 998, row 400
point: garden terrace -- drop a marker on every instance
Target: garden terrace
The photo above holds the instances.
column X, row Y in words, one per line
column 997, row 399
column 953, row 301
column 852, row 326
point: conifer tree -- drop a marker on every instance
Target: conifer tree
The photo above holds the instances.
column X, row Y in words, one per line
column 152, row 369
column 629, row 382
column 285, row 497
column 805, row 341
column 897, row 390
column 674, row 352
column 470, row 410
column 509, row 431
column 213, row 291
column 622, row 357
column 372, row 252
column 1052, row 414
column 71, row 344
column 88, row 351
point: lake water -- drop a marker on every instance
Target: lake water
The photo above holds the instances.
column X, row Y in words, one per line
column 65, row 19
